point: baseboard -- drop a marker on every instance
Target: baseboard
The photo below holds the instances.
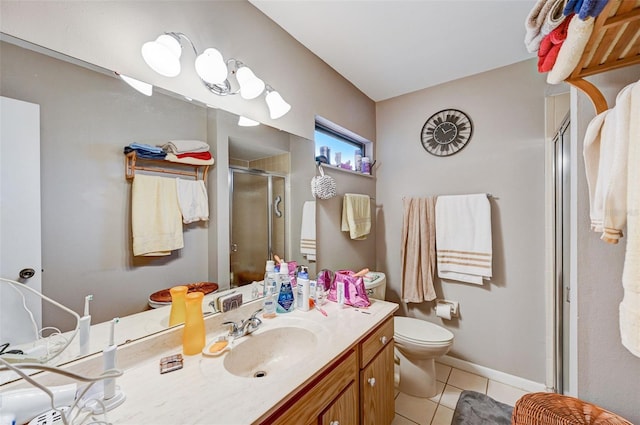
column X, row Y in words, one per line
column 494, row 375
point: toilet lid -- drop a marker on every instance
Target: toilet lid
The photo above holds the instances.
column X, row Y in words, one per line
column 420, row 330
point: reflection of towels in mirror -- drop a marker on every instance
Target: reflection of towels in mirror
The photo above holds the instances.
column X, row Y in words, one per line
column 193, row 200
column 156, row 222
column 308, row 231
column 356, row 215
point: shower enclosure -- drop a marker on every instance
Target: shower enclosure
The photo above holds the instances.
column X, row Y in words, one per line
column 257, row 220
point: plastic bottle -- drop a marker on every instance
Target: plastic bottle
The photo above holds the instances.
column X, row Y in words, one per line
column 303, row 291
column 285, row 291
column 178, row 311
column 270, row 276
column 366, row 165
column 340, row 293
column 269, row 303
column 193, row 336
column 358, row 160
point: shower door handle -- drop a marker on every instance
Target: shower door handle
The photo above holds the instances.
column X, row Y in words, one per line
column 275, row 206
column 234, row 247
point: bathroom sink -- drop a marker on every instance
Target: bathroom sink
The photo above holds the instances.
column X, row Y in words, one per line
column 270, row 352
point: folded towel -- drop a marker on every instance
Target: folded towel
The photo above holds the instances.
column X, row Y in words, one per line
column 578, row 35
column 193, row 200
column 146, row 148
column 308, row 231
column 155, row 216
column 187, row 160
column 630, row 305
column 356, row 215
column 585, row 8
column 144, row 153
column 198, row 155
column 418, row 252
column 542, row 19
column 182, row 146
column 463, row 237
column 550, row 47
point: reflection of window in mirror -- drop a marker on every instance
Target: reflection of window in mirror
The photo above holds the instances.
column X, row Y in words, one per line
column 341, row 147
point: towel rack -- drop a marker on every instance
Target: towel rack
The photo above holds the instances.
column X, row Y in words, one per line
column 163, row 166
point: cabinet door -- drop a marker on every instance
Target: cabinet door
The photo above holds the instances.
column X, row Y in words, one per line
column 344, row 409
column 376, row 389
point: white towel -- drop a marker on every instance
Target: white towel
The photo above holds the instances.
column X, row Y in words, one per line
column 193, row 200
column 183, row 146
column 578, row 35
column 463, row 237
column 545, row 16
column 356, row 215
column 308, row 231
column 155, row 216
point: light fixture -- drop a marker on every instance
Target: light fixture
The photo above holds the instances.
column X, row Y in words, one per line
column 163, row 56
column 142, row 87
column 247, row 122
column 277, row 105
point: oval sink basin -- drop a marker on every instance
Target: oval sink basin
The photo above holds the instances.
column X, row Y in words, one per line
column 269, row 352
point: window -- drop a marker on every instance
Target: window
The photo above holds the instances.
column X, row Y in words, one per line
column 339, row 145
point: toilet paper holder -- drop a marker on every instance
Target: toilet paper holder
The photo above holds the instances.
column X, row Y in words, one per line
column 453, row 306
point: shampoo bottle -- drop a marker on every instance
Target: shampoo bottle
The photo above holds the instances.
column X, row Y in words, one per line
column 303, row 292
column 285, row 291
column 269, row 304
column 270, row 276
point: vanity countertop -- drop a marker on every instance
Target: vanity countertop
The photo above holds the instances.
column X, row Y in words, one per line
column 204, row 392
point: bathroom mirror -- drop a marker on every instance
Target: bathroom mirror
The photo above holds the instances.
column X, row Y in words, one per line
column 87, row 116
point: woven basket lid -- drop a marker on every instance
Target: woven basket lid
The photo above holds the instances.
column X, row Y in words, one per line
column 164, row 296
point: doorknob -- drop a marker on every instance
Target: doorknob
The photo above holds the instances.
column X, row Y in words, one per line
column 27, row 273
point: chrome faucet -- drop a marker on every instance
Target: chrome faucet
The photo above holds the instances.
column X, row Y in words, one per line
column 245, row 327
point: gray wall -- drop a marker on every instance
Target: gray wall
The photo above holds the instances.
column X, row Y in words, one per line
column 608, row 374
column 501, row 324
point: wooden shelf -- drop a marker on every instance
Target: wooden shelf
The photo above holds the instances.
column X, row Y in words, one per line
column 614, row 43
column 163, row 166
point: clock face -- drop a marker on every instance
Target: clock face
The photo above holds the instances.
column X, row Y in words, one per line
column 446, row 132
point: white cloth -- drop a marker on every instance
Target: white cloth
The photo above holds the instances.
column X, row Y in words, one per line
column 463, row 238
column 356, row 215
column 571, row 50
column 545, row 16
column 308, row 231
column 155, row 216
column 630, row 305
column 184, row 146
column 193, row 200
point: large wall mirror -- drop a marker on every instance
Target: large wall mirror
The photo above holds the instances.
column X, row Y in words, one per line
column 87, row 116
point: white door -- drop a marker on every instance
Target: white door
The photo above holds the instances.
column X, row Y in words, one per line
column 20, row 246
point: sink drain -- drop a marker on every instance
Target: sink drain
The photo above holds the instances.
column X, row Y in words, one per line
column 260, row 374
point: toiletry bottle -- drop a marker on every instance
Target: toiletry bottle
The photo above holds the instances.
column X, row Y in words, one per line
column 269, row 304
column 270, row 276
column 358, row 160
column 302, row 289
column 285, row 292
column 177, row 314
column 193, row 335
column 340, row 295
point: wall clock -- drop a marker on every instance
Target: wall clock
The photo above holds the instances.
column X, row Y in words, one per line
column 446, row 132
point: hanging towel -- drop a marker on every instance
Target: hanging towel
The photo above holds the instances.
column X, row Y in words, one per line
column 545, row 16
column 308, row 231
column 188, row 160
column 418, row 249
column 193, row 200
column 155, row 216
column 569, row 55
column 182, row 146
column 356, row 215
column 630, row 305
column 550, row 47
column 591, row 152
column 463, row 237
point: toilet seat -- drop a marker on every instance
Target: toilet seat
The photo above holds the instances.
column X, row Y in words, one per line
column 420, row 332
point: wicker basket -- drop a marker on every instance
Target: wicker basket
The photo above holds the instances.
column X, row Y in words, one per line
column 557, row 409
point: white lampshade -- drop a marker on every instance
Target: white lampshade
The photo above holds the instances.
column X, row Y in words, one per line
column 247, row 122
column 142, row 87
column 277, row 105
column 163, row 55
column 210, row 66
column 250, row 85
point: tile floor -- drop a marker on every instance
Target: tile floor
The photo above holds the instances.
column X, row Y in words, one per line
column 450, row 382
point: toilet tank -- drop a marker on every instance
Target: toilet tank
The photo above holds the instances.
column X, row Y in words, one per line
column 375, row 284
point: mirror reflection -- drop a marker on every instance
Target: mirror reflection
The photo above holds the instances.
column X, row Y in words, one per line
column 86, row 116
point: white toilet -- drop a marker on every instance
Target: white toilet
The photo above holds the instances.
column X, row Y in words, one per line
column 417, row 344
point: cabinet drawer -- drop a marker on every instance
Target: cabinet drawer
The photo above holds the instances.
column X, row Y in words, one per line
column 344, row 409
column 376, row 341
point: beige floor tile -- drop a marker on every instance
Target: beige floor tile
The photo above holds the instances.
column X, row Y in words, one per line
column 504, row 393
column 443, row 416
column 419, row 410
column 442, row 372
column 449, row 397
column 401, row 420
column 440, row 388
column 467, row 381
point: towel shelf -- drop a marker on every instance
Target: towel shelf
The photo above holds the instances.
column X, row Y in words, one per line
column 614, row 43
column 163, row 166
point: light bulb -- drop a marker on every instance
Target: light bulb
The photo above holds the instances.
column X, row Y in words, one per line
column 210, row 66
column 250, row 85
column 163, row 55
column 277, row 105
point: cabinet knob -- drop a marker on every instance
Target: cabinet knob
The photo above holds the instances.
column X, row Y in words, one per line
column 371, row 381
column 334, row 423
column 383, row 340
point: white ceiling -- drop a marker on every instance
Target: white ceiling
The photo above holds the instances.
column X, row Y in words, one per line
column 388, row 48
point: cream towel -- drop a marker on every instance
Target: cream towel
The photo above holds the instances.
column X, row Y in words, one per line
column 591, row 153
column 545, row 16
column 186, row 160
column 630, row 305
column 184, row 146
column 571, row 50
column 193, row 200
column 308, row 231
column 463, row 237
column 356, row 215
column 418, row 250
column 155, row 216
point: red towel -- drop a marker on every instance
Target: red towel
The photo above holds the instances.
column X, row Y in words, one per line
column 550, row 46
column 199, row 155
